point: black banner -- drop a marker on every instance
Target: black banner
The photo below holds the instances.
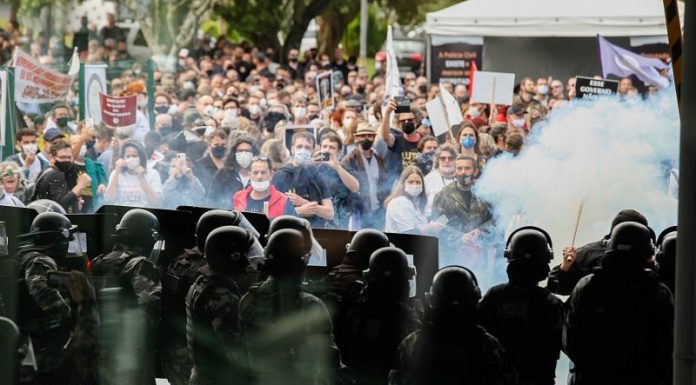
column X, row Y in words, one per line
column 451, row 61
column 590, row 88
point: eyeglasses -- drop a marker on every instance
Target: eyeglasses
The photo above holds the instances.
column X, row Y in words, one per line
column 446, row 158
column 407, row 121
column 259, row 157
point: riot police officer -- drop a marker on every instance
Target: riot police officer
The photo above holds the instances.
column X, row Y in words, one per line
column 212, row 309
column 381, row 319
column 129, row 270
column 47, row 316
column 451, row 348
column 666, row 256
column 177, row 279
column 525, row 318
column 619, row 322
column 288, row 331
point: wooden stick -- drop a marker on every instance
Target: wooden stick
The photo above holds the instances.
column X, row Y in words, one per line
column 577, row 221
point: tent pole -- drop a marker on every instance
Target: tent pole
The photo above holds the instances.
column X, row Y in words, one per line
column 685, row 300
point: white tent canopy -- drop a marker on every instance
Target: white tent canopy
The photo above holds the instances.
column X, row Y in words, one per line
column 550, row 18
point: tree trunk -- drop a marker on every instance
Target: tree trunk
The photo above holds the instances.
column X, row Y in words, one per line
column 332, row 26
column 302, row 16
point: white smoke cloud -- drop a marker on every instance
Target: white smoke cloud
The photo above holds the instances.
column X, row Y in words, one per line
column 610, row 154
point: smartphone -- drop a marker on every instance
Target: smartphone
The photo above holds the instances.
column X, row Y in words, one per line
column 441, row 220
column 324, row 156
column 57, row 279
column 403, row 104
column 89, row 123
column 181, row 156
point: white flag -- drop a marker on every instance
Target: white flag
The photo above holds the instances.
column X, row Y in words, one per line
column 393, row 79
column 74, row 64
column 454, row 112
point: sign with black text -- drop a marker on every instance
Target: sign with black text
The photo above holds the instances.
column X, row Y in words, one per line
column 588, row 88
column 451, row 58
column 325, row 90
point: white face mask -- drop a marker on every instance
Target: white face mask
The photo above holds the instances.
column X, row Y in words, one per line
column 372, row 119
column 299, row 112
column 142, row 101
column 447, row 170
column 132, row 163
column 29, row 148
column 347, row 122
column 243, row 158
column 413, row 190
column 261, row 186
column 254, row 109
column 263, row 103
column 474, row 112
column 123, row 132
column 518, row 123
column 303, row 156
column 543, row 90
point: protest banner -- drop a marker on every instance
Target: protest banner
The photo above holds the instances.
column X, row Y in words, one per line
column 117, row 111
column 36, row 83
column 588, row 88
column 453, row 58
column 493, row 88
column 325, row 90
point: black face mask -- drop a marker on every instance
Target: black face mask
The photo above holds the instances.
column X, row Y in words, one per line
column 162, row 109
column 64, row 166
column 465, row 181
column 408, row 127
column 166, row 130
column 366, row 144
column 423, row 89
column 90, row 143
column 312, row 117
column 271, row 119
column 218, row 152
column 360, row 89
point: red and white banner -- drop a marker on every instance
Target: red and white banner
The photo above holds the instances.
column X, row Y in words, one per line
column 36, row 83
column 118, row 111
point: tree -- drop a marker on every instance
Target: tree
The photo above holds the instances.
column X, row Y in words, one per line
column 169, row 25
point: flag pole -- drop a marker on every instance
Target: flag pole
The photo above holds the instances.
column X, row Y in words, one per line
column 599, row 55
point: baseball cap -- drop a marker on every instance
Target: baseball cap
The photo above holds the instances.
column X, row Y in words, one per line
column 53, row 133
column 516, row 109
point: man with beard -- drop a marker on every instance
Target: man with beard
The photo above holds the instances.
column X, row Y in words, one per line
column 60, row 182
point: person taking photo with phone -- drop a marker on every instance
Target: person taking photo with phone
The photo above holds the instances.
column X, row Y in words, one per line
column 131, row 183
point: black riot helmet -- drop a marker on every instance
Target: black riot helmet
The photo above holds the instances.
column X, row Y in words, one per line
column 138, row 228
column 286, row 254
column 453, row 297
column 44, row 205
column 211, row 220
column 51, row 232
column 529, row 243
column 388, row 263
column 364, row 243
column 229, row 249
column 630, row 245
column 666, row 256
column 311, row 246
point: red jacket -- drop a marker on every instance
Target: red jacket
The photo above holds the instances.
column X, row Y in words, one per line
column 276, row 202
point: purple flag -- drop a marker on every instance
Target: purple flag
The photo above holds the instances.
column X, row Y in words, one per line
column 622, row 62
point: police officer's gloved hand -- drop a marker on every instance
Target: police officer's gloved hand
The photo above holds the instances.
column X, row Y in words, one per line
column 81, row 291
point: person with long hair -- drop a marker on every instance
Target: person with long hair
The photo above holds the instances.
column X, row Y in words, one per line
column 235, row 175
column 131, row 183
column 406, row 205
column 468, row 140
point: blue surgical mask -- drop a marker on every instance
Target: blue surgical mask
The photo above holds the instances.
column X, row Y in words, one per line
column 303, row 156
column 467, row 142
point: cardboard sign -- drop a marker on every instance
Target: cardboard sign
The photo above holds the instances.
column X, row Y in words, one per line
column 118, row 111
column 493, row 87
column 438, row 119
column 36, row 83
column 590, row 88
column 92, row 83
column 325, row 90
column 292, row 130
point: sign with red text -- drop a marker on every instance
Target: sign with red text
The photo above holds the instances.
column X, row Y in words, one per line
column 36, row 83
column 118, row 111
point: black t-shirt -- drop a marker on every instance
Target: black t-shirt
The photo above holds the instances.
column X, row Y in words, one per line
column 87, row 194
column 305, row 182
column 339, row 193
column 405, row 150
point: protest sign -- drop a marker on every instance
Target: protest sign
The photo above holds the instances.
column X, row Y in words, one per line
column 453, row 58
column 92, row 83
column 325, row 90
column 36, row 83
column 493, row 88
column 392, row 78
column 292, row 130
column 444, row 112
column 118, row 111
column 588, row 88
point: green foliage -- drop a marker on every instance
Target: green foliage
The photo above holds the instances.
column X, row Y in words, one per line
column 376, row 33
column 33, row 7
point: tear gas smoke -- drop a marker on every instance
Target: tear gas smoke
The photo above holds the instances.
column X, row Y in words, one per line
column 610, row 154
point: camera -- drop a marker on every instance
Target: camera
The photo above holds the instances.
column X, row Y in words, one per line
column 403, row 104
column 324, row 156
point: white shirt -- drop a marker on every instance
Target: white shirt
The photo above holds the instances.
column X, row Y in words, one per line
column 9, row 200
column 402, row 216
column 141, row 128
column 434, row 183
column 130, row 193
column 34, row 169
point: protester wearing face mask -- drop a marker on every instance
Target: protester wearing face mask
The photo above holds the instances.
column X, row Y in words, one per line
column 162, row 104
column 442, row 174
column 234, row 175
column 60, row 182
column 131, row 183
column 542, row 91
column 294, row 66
column 426, row 151
column 341, row 183
column 142, row 125
column 261, row 196
column 11, row 193
column 214, row 158
column 182, row 187
column 516, row 116
column 406, row 205
column 468, row 217
column 27, row 158
column 369, row 169
column 525, row 96
column 467, row 140
column 61, row 119
column 91, row 195
column 299, row 110
column 402, row 144
column 299, row 180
